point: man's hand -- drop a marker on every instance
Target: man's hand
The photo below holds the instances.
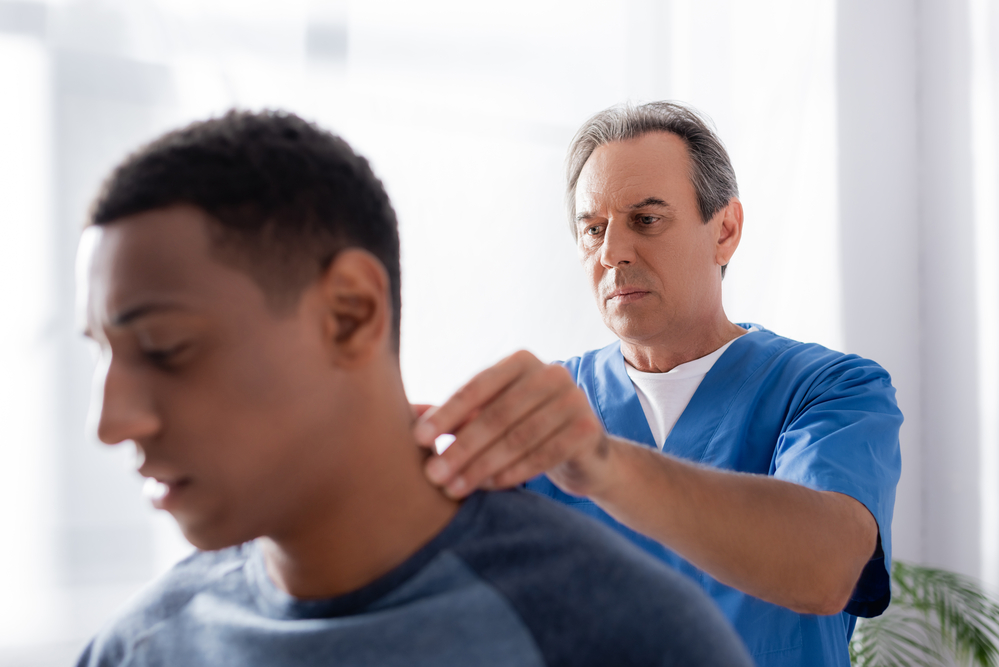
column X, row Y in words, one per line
column 511, row 422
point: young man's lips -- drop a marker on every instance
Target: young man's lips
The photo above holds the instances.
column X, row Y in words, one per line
column 164, row 493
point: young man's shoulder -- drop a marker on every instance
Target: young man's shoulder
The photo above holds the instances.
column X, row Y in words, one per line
column 159, row 602
column 586, row 594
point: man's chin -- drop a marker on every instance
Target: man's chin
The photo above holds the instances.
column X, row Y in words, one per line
column 211, row 537
column 630, row 329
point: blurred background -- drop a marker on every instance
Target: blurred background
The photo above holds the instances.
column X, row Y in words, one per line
column 864, row 134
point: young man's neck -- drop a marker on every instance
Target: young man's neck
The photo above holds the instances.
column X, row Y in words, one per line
column 389, row 511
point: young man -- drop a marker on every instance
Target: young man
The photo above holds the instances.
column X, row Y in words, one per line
column 243, row 284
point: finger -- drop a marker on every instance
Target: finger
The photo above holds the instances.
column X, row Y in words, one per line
column 494, row 441
column 529, row 434
column 518, row 400
column 420, row 409
column 558, row 454
column 474, row 395
column 442, row 442
column 534, row 462
column 522, row 398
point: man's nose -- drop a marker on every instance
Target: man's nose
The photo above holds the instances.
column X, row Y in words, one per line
column 618, row 247
column 126, row 408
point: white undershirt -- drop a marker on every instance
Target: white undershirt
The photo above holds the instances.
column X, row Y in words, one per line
column 664, row 396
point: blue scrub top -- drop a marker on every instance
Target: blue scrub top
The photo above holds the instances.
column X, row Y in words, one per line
column 771, row 406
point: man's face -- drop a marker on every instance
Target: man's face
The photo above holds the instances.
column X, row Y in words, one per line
column 230, row 406
column 652, row 262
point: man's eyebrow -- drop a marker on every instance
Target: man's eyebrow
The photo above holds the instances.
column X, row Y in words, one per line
column 650, row 201
column 142, row 310
column 645, row 203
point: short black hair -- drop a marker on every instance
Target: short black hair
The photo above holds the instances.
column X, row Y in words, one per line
column 286, row 194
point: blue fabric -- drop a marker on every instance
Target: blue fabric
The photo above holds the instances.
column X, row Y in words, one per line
column 512, row 580
column 771, row 406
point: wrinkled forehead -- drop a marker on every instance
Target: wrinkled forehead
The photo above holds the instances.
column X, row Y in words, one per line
column 640, row 167
column 156, row 255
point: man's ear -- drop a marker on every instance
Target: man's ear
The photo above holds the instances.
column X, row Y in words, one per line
column 729, row 231
column 356, row 307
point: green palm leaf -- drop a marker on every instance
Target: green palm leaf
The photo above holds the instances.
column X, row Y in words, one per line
column 936, row 618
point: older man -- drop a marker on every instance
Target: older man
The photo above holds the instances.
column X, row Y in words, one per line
column 763, row 468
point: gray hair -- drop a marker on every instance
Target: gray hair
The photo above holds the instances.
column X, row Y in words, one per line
column 711, row 170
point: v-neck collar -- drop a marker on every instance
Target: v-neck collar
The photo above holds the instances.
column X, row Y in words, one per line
column 621, row 411
column 616, row 399
column 715, row 396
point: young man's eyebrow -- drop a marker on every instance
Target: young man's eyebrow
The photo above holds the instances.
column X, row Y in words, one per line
column 142, row 310
column 649, row 201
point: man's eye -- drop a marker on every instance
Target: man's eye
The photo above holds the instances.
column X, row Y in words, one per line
column 165, row 356
column 593, row 231
column 647, row 219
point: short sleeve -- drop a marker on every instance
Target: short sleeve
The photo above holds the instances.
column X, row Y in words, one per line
column 843, row 437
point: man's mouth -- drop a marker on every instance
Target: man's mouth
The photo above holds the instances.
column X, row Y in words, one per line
column 163, row 491
column 626, row 294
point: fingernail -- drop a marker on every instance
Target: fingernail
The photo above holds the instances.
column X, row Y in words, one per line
column 456, row 488
column 437, row 470
column 425, row 433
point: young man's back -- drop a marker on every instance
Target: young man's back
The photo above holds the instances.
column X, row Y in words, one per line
column 243, row 285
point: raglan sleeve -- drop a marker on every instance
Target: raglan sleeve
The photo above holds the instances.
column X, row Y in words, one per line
column 843, row 436
column 102, row 651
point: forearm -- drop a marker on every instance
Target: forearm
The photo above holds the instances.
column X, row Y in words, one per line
column 784, row 543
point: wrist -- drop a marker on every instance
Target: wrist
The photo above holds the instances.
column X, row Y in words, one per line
column 605, row 468
column 591, row 474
